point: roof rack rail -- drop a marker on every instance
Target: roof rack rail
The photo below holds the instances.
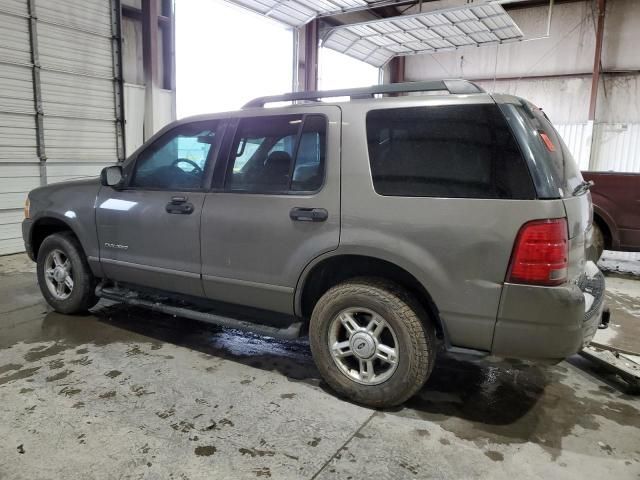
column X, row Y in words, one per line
column 454, row 87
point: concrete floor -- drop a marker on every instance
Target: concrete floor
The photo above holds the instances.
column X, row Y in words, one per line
column 124, row 393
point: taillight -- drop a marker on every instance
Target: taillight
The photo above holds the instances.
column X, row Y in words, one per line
column 540, row 254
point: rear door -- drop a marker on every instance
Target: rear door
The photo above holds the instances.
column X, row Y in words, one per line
column 149, row 231
column 275, row 206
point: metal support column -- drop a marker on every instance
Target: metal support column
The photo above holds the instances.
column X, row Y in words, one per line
column 595, row 78
column 150, row 62
column 118, row 82
column 37, row 90
column 396, row 70
column 311, row 55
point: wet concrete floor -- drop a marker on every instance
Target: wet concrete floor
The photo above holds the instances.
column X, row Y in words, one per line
column 124, row 393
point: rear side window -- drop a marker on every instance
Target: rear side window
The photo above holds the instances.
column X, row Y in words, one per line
column 278, row 154
column 458, row 151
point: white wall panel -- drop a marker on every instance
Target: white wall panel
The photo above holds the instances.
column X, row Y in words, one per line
column 17, row 88
column 83, row 140
column 617, row 147
column 14, row 47
column 77, row 89
column 16, row 180
column 61, row 172
column 577, row 137
column 17, row 7
column 78, row 96
column 19, row 162
column 17, row 137
column 621, row 35
column 619, row 97
column 134, row 105
column 564, row 100
column 89, row 16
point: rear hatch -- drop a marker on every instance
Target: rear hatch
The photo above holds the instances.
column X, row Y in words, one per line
column 556, row 176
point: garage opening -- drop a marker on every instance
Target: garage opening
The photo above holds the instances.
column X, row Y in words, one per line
column 226, row 55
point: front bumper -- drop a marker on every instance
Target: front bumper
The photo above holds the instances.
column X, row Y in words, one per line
column 26, row 236
column 549, row 323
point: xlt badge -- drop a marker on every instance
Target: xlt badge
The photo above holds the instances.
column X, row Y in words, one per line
column 116, row 245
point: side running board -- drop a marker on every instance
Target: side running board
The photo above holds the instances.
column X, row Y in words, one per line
column 132, row 298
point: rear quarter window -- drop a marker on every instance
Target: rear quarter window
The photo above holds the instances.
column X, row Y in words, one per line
column 457, row 151
column 564, row 170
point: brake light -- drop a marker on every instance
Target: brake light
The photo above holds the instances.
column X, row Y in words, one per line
column 547, row 142
column 540, row 253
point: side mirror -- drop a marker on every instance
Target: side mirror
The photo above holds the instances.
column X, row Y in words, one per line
column 111, row 176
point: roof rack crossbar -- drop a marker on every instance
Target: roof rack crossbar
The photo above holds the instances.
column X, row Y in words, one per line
column 454, row 87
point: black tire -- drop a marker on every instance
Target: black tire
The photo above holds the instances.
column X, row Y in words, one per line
column 82, row 296
column 413, row 329
column 598, row 241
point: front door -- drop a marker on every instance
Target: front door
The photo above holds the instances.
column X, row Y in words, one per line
column 277, row 208
column 149, row 231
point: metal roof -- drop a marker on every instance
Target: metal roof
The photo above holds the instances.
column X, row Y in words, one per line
column 297, row 13
column 377, row 41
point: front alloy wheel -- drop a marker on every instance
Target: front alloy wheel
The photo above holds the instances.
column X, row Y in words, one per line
column 64, row 276
column 58, row 274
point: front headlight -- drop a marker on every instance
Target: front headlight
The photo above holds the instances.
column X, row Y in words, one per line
column 27, row 206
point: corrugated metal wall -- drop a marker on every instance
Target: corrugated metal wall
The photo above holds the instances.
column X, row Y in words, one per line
column 60, row 57
column 616, row 146
column 577, row 136
column 19, row 162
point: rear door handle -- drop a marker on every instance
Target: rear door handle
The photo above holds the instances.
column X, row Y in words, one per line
column 301, row 214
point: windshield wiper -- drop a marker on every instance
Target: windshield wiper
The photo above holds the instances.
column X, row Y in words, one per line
column 583, row 187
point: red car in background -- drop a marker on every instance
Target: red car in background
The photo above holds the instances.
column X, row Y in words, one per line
column 616, row 210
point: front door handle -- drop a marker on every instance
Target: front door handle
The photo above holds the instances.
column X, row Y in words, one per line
column 179, row 205
column 301, row 214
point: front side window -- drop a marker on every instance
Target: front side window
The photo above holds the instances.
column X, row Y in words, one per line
column 178, row 159
column 464, row 151
column 278, row 154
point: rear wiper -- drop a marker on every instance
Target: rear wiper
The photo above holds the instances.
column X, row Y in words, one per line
column 583, row 187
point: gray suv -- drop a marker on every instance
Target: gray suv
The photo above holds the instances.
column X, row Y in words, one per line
column 385, row 229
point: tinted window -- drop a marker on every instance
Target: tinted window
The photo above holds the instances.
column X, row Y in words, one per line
column 177, row 160
column 309, row 169
column 564, row 168
column 278, row 154
column 462, row 151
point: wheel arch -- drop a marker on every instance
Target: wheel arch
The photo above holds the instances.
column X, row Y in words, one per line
column 609, row 230
column 329, row 270
column 45, row 226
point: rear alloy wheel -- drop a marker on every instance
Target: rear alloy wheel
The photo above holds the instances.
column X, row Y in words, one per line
column 363, row 346
column 598, row 241
column 372, row 342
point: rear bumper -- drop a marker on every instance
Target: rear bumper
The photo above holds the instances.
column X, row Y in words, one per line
column 548, row 322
